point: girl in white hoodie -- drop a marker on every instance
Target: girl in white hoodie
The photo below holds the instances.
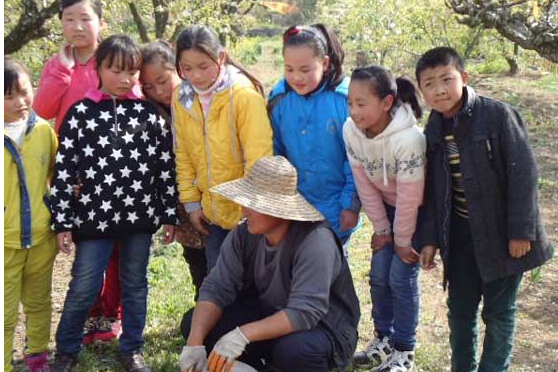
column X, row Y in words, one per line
column 386, row 151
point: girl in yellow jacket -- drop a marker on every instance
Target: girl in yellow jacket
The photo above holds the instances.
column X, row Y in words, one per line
column 221, row 128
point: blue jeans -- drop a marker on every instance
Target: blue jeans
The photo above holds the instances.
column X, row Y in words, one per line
column 394, row 290
column 87, row 278
column 213, row 243
column 465, row 290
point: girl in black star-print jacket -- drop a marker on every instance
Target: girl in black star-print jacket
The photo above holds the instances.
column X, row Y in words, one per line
column 119, row 149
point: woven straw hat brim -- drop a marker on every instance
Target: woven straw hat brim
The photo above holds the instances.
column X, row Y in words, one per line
column 289, row 207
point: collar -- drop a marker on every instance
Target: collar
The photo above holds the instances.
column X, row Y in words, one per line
column 97, row 95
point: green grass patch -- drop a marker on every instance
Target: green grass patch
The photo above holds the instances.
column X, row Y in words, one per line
column 247, row 51
column 492, row 66
column 548, row 82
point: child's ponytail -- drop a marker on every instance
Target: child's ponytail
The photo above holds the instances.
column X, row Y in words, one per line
column 324, row 42
column 382, row 84
column 408, row 93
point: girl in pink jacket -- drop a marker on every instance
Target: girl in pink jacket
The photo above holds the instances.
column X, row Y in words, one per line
column 386, row 151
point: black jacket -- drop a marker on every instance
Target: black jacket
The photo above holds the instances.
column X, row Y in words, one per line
column 121, row 151
column 500, row 180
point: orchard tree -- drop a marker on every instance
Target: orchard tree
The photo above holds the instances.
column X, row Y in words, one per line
column 530, row 24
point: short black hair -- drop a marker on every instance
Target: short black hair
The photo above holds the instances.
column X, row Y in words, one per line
column 13, row 69
column 96, row 5
column 440, row 56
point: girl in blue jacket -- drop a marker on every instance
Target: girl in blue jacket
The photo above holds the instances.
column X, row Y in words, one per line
column 307, row 109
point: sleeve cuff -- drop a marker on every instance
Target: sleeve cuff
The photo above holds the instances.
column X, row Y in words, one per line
column 192, row 206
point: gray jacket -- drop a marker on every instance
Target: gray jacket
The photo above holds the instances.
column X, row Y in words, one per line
column 500, row 179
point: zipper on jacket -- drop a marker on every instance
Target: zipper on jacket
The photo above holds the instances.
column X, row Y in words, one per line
column 115, row 125
column 208, row 156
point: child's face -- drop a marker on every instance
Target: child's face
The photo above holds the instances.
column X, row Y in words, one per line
column 303, row 69
column 115, row 80
column 17, row 104
column 199, row 69
column 368, row 111
column 158, row 82
column 81, row 25
column 442, row 88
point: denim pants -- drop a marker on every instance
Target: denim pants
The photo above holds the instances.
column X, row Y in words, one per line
column 394, row 290
column 213, row 243
column 302, row 351
column 89, row 265
column 465, row 289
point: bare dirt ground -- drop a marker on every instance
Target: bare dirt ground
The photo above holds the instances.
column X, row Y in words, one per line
column 536, row 347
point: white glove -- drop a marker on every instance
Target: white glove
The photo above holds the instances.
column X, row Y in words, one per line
column 66, row 55
column 193, row 358
column 231, row 345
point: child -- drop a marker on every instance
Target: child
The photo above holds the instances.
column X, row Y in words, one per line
column 29, row 244
column 307, row 109
column 159, row 79
column 485, row 220
column 119, row 147
column 221, row 129
column 65, row 80
column 386, row 150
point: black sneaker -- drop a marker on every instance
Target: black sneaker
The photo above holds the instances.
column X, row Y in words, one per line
column 133, row 362
column 63, row 362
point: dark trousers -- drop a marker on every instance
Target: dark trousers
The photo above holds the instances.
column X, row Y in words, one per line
column 465, row 290
column 302, row 351
column 197, row 264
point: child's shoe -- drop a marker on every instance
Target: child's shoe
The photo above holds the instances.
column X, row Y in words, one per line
column 399, row 361
column 90, row 329
column 37, row 362
column 374, row 354
column 108, row 329
column 63, row 362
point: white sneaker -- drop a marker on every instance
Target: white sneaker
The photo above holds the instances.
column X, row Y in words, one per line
column 398, row 361
column 374, row 354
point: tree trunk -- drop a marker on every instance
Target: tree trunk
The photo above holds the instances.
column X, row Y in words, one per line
column 512, row 61
column 139, row 23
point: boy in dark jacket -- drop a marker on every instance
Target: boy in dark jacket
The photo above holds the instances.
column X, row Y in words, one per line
column 481, row 209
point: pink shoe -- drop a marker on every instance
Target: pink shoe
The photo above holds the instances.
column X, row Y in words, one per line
column 108, row 329
column 37, row 362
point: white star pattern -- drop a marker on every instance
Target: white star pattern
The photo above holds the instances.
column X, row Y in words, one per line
column 102, row 162
column 84, row 199
column 119, row 191
column 151, row 150
column 157, row 219
column 143, row 168
column 165, row 156
column 73, row 123
column 60, row 218
column 78, row 222
column 170, row 190
column 128, row 200
column 88, row 150
column 81, row 108
column 59, row 158
column 64, row 204
column 80, row 133
column 69, row 189
column 152, row 118
column 75, row 158
column 116, row 217
column 91, row 215
column 134, row 154
column 145, row 136
column 136, row 185
column 63, row 174
column 138, row 107
column 105, row 115
column 164, row 130
column 103, row 141
column 105, row 206
column 146, row 199
column 121, row 110
column 132, row 217
column 98, row 189
column 161, row 121
column 125, row 172
column 116, row 154
column 91, row 124
column 90, row 173
column 109, row 179
column 128, row 137
column 150, row 211
column 102, row 225
column 134, row 122
column 53, row 190
column 170, row 211
column 165, row 175
column 68, row 143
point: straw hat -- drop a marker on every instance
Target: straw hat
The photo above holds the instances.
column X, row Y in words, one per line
column 270, row 188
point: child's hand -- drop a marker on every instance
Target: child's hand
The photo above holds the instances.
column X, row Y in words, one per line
column 380, row 240
column 519, row 248
column 168, row 233
column 427, row 257
column 407, row 254
column 66, row 55
column 347, row 220
column 199, row 221
column 65, row 241
column 77, row 189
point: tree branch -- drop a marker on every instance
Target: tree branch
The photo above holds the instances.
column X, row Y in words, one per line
column 139, row 22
